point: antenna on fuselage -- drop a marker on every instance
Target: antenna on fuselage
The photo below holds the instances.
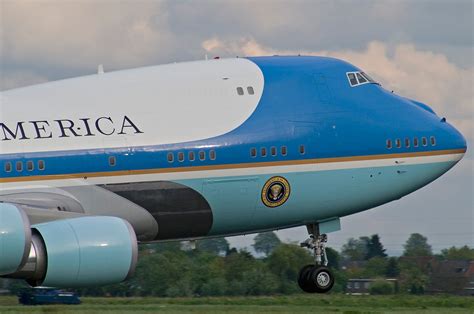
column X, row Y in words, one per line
column 100, row 69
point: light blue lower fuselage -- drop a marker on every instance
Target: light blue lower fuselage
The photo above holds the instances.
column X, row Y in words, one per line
column 315, row 196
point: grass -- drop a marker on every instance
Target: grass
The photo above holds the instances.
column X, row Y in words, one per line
column 269, row 304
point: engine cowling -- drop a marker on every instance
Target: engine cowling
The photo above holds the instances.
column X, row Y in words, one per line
column 78, row 252
column 15, row 238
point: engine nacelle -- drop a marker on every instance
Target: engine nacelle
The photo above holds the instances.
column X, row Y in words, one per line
column 79, row 252
column 15, row 238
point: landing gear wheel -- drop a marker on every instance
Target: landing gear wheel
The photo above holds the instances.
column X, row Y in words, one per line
column 315, row 279
column 321, row 279
column 304, row 279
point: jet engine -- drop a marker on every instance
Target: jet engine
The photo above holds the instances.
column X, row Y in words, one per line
column 69, row 253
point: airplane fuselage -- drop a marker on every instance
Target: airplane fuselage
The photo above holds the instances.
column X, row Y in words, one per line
column 219, row 147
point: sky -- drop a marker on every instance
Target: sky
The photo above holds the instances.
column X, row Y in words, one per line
column 420, row 49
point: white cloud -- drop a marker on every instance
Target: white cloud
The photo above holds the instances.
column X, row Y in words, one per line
column 80, row 33
column 419, row 74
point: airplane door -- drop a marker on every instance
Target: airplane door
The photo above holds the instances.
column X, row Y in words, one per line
column 323, row 91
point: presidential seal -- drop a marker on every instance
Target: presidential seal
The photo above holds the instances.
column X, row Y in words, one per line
column 275, row 192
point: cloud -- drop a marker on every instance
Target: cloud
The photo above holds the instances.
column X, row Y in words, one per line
column 419, row 74
column 51, row 40
column 20, row 77
column 122, row 34
column 83, row 33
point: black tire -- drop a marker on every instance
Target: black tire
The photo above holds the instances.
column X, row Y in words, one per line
column 322, row 279
column 304, row 279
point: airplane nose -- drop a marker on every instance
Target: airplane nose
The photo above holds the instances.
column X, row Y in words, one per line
column 455, row 138
column 452, row 141
column 447, row 146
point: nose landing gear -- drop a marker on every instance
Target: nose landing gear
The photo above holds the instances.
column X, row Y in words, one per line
column 316, row 278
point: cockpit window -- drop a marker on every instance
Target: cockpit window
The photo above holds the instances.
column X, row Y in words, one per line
column 371, row 80
column 352, row 79
column 359, row 78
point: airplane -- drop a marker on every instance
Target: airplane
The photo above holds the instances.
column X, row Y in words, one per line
column 92, row 166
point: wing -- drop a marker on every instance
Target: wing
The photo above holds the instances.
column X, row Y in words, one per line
column 49, row 203
column 44, row 206
column 70, row 237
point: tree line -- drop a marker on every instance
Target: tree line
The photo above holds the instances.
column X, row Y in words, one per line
column 213, row 268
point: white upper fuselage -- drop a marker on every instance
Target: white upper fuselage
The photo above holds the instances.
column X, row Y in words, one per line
column 168, row 104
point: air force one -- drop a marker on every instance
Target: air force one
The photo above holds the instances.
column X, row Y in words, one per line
column 91, row 166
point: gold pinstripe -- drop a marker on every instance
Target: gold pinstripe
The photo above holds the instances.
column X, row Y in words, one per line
column 229, row 166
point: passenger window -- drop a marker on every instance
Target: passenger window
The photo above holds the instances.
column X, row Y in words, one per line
column 389, row 144
column 170, row 157
column 180, row 156
column 407, row 142
column 433, row 141
column 424, row 141
column 202, row 155
column 273, row 150
column 41, row 165
column 240, row 91
column 8, row 167
column 263, row 152
column 112, row 161
column 250, row 90
column 352, row 79
column 302, row 150
column 398, row 142
column 361, row 78
column 212, row 154
column 191, row 156
column 253, row 152
column 19, row 166
column 283, row 150
column 415, row 142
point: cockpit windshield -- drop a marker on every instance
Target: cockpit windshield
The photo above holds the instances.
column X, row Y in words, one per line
column 359, row 78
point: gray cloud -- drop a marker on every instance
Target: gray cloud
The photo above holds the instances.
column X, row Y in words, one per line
column 72, row 37
column 79, row 33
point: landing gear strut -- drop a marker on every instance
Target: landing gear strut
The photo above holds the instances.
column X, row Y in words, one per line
column 316, row 278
